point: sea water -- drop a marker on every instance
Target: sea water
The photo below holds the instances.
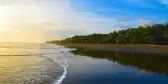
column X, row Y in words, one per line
column 31, row 63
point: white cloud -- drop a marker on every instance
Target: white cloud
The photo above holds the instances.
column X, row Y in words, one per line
column 164, row 2
column 140, row 3
column 47, row 20
column 143, row 3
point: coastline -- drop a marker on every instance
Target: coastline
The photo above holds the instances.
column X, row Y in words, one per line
column 130, row 47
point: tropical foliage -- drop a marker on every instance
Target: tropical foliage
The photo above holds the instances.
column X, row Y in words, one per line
column 155, row 34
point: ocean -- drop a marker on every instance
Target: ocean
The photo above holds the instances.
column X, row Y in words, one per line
column 33, row 63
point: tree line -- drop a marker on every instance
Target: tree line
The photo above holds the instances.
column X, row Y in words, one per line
column 154, row 34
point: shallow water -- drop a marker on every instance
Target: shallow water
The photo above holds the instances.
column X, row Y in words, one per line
column 22, row 63
column 109, row 67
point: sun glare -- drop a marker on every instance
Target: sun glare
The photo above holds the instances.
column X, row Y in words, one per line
column 17, row 30
column 4, row 17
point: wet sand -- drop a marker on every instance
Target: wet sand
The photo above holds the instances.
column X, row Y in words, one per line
column 131, row 47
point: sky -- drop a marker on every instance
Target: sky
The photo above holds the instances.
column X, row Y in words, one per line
column 42, row 20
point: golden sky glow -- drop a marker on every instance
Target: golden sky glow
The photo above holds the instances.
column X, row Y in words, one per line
column 42, row 20
column 21, row 22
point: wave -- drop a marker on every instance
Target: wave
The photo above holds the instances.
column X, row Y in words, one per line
column 37, row 54
column 30, row 46
column 64, row 66
column 61, row 50
column 26, row 47
column 63, row 76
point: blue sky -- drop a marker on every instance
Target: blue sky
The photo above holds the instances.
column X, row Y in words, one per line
column 41, row 20
column 149, row 9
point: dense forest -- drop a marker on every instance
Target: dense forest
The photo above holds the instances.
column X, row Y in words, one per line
column 154, row 34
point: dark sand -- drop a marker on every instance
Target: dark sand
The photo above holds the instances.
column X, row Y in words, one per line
column 137, row 47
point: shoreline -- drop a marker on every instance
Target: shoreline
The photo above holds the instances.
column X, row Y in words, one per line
column 127, row 47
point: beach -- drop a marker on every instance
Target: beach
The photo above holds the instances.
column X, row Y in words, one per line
column 128, row 47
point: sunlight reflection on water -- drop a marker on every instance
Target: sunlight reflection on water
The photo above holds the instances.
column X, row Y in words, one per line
column 26, row 69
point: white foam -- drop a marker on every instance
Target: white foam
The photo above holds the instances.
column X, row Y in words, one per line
column 28, row 54
column 42, row 48
column 64, row 66
column 63, row 76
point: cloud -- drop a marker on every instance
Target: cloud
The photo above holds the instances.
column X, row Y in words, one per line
column 7, row 2
column 113, row 10
column 141, row 3
column 163, row 2
column 49, row 19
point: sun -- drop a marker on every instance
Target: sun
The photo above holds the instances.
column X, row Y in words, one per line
column 17, row 30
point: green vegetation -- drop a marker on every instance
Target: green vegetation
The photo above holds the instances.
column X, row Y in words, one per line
column 143, row 61
column 155, row 34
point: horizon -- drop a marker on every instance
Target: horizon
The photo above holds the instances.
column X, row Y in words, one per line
column 38, row 21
